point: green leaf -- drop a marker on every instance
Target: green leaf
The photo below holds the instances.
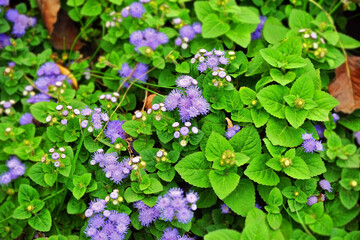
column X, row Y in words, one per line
column 244, row 14
column 54, row 134
column 275, row 197
column 79, row 192
column 339, row 214
column 50, row 178
column 91, row 8
column 73, row 3
column 298, row 169
column 247, row 141
column 27, row 194
column 274, row 220
column 273, row 57
column 299, row 19
column 323, row 226
column 36, row 174
column 313, row 161
column 240, row 34
column 42, row 221
column 223, row 234
column 216, row 146
column 21, row 213
column 184, row 67
column 259, row 172
column 274, row 31
column 247, row 95
column 202, row 9
column 131, row 196
column 271, row 98
column 195, row 169
column 155, row 187
column 303, row 87
column 349, row 198
column 242, row 199
column 39, row 111
column 279, row 77
column 280, row 133
column 213, row 26
column 325, row 104
column 90, row 145
column 75, row 206
column 223, row 184
column 130, row 127
column 294, row 61
column 259, row 116
column 348, row 42
column 255, row 226
column 295, row 116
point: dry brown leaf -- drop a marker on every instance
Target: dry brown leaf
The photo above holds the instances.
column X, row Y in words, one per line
column 67, row 73
column 62, row 29
column 149, row 99
column 346, row 89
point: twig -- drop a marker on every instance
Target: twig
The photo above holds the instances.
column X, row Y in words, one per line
column 145, row 99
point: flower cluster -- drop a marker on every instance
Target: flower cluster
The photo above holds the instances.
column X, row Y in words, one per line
column 257, row 33
column 220, row 78
column 325, row 185
column 16, row 169
column 187, row 33
column 114, row 170
column 148, row 38
column 231, row 131
column 49, row 80
column 161, row 155
column 110, row 98
column 173, row 234
column 189, row 101
column 183, row 133
column 114, row 130
column 57, row 157
column 116, row 19
column 6, row 106
column 21, row 22
column 105, row 224
column 26, row 118
column 157, row 110
column 139, row 73
column 135, row 10
column 4, row 40
column 311, row 145
column 312, row 43
column 4, row 3
column 213, row 59
column 173, row 205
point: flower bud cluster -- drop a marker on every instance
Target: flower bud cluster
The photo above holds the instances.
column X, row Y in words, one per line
column 161, row 155
column 6, row 106
column 183, row 133
column 115, row 21
column 227, row 158
column 136, row 163
column 109, row 99
column 9, row 70
column 56, row 156
column 312, row 43
column 114, row 197
column 156, row 110
column 213, row 59
column 64, row 113
column 220, row 78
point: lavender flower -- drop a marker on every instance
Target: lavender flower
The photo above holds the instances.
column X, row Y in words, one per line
column 311, row 200
column 40, row 97
column 26, row 118
column 148, row 38
column 257, row 33
column 224, row 208
column 324, row 184
column 357, row 137
column 147, row 215
column 187, row 32
column 184, row 81
column 139, row 73
column 21, row 22
column 136, row 10
column 98, row 205
column 16, row 169
column 320, row 130
column 170, row 234
column 4, row 3
column 232, row 131
column 4, row 40
column 336, row 117
column 310, row 144
column 114, row 130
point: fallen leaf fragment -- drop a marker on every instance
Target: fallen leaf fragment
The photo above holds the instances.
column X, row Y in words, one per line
column 149, row 99
column 345, row 88
column 61, row 28
column 67, row 73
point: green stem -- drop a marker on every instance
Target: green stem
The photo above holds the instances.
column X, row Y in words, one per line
column 302, row 223
column 54, row 194
column 336, row 7
column 73, row 164
column 4, row 220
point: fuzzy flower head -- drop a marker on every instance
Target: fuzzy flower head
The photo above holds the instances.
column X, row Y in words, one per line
column 139, row 73
column 136, row 10
column 148, row 38
column 4, row 40
column 15, row 169
column 311, row 145
column 258, row 31
column 311, row 200
column 114, row 130
column 232, row 131
column 26, row 118
column 324, row 184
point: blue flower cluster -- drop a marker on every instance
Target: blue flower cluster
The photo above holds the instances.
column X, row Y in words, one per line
column 173, row 234
column 311, row 145
column 16, row 169
column 114, row 130
column 148, row 38
column 188, row 33
column 140, row 72
column 258, row 31
column 26, row 118
column 104, row 224
column 21, row 22
column 135, row 10
column 114, row 170
column 214, row 60
column 231, row 131
column 4, row 3
column 172, row 206
column 48, row 75
column 4, row 40
column 325, row 185
column 190, row 102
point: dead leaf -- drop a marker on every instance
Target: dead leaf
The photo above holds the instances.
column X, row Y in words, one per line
column 67, row 73
column 61, row 28
column 346, row 89
column 149, row 99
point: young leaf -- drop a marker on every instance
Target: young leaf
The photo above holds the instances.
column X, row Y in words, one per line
column 279, row 77
column 41, row 221
column 271, row 98
column 213, row 26
column 216, row 146
column 247, row 141
column 27, row 194
column 223, row 184
column 273, row 57
column 280, row 133
column 259, row 172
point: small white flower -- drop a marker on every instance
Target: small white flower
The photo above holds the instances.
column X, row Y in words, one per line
column 184, row 45
column 138, row 114
column 194, row 130
column 149, row 111
column 90, row 129
column 63, row 156
column 187, row 124
column 202, row 50
column 228, row 78
column 136, row 159
column 175, row 124
column 102, row 97
column 193, row 207
column 116, row 94
column 69, row 107
column 76, row 111
column 92, row 162
column 113, row 99
column 48, row 118
column 183, row 143
column 186, row 39
column 201, row 59
column 61, row 149
column 193, row 60
column 51, row 150
column 8, row 129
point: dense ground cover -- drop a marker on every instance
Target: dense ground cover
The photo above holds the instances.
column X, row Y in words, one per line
column 170, row 120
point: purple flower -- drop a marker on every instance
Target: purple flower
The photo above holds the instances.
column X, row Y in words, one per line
column 64, row 121
column 184, row 81
column 257, row 33
column 4, row 3
column 16, row 169
column 258, row 206
column 26, row 118
column 178, row 41
column 48, row 69
column 192, row 197
column 86, row 111
column 172, row 100
column 184, row 131
column 170, row 234
column 320, row 130
column 4, row 40
column 197, row 27
column 125, row 12
column 336, row 117
column 324, row 184
column 311, row 200
column 114, row 130
column 84, row 123
column 5, row 178
column 307, row 136
column 232, row 131
column 98, row 205
column 187, row 32
column 212, row 61
column 224, row 208
column 12, row 15
column 357, row 137
column 139, row 73
column 309, row 145
column 55, row 156
column 147, row 215
column 136, row 10
column 40, row 97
